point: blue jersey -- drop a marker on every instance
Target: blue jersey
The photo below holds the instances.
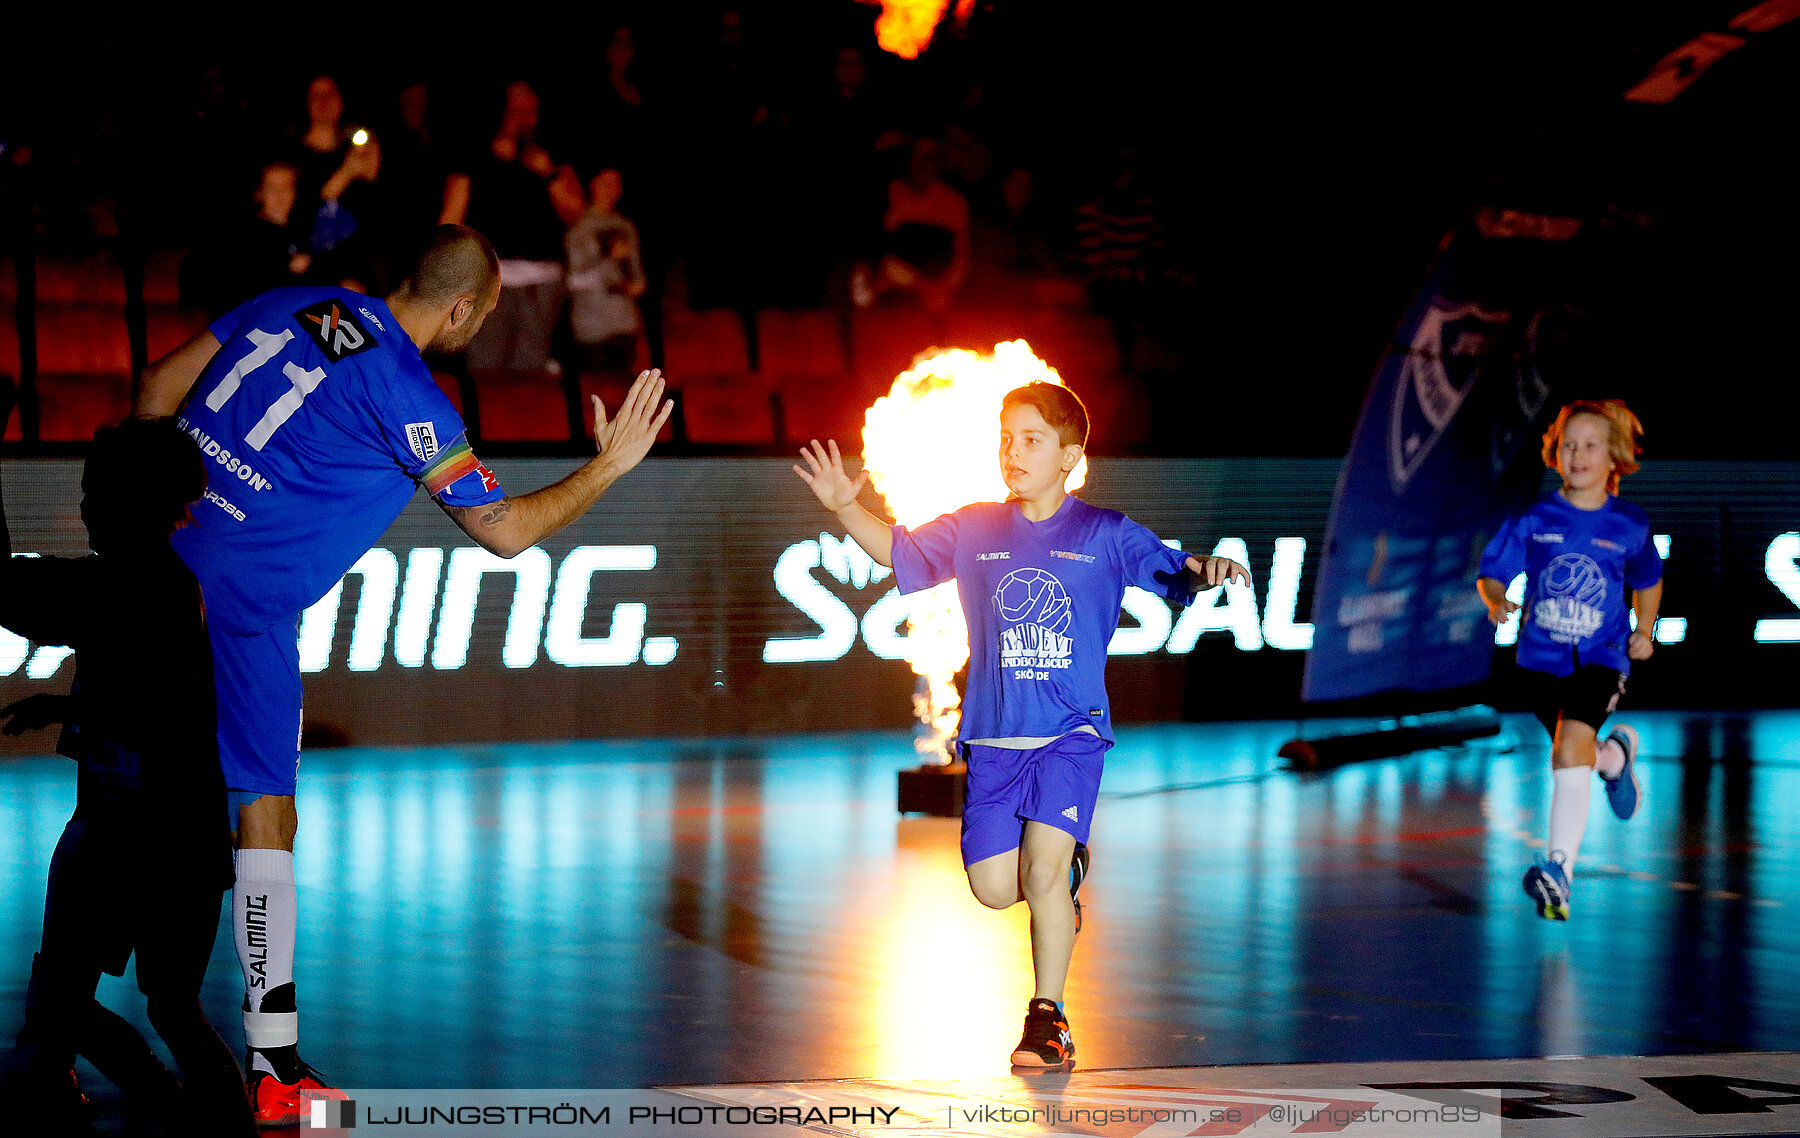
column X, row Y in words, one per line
column 1042, row 602
column 1579, row 564
column 318, row 419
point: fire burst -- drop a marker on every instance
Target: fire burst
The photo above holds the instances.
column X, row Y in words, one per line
column 931, row 446
column 905, row 26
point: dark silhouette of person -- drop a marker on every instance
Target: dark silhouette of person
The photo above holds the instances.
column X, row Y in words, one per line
column 145, row 860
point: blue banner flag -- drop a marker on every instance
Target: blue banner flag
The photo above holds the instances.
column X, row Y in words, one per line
column 1447, row 446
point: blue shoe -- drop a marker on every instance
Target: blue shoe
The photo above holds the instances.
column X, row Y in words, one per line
column 1548, row 885
column 1078, row 868
column 1623, row 791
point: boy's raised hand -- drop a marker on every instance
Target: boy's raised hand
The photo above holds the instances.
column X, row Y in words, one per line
column 831, row 484
column 1213, row 571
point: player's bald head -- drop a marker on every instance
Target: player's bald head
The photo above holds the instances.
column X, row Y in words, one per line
column 455, row 262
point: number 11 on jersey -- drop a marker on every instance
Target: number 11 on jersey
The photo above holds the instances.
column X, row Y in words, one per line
column 268, row 346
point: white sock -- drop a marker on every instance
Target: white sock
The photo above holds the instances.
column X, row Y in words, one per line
column 263, row 916
column 1568, row 813
column 1609, row 757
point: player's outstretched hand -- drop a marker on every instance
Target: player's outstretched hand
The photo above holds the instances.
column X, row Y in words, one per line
column 627, row 438
column 1639, row 646
column 33, row 713
column 1499, row 611
column 831, row 484
column 1217, row 571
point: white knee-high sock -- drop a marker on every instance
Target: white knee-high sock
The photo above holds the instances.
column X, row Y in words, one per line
column 263, row 918
column 1568, row 812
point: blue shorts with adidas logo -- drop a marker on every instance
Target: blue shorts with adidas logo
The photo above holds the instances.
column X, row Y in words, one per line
column 1056, row 784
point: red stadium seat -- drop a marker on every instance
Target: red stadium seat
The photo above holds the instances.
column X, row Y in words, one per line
column 82, row 340
column 162, row 279
column 94, row 279
column 733, row 411
column 704, row 344
column 825, row 409
column 885, row 341
column 1079, row 345
column 979, row 329
column 801, row 343
column 167, row 328
column 450, row 386
column 522, row 406
column 611, row 390
column 71, row 406
column 9, row 339
column 1118, row 412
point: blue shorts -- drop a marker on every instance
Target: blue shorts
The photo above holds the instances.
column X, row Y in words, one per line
column 1056, row 784
column 258, row 681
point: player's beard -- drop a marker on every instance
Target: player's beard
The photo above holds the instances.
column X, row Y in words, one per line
column 453, row 340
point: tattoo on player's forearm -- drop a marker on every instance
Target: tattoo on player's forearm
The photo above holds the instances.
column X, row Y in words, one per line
column 497, row 512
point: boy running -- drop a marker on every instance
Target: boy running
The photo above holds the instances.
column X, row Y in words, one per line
column 146, row 859
column 1580, row 548
column 1041, row 577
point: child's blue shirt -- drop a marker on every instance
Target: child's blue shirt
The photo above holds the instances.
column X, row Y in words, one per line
column 1042, row 602
column 1578, row 564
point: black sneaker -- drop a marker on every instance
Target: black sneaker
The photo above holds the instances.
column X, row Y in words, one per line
column 1078, row 868
column 1046, row 1041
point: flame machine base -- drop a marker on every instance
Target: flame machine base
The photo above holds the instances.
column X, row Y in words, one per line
column 936, row 789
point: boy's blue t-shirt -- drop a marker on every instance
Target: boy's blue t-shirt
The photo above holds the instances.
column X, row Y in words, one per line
column 1042, row 602
column 318, row 419
column 1578, row 564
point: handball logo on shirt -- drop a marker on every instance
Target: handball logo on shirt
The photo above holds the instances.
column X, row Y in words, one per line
column 335, row 331
column 1034, row 612
column 1572, row 601
column 422, row 439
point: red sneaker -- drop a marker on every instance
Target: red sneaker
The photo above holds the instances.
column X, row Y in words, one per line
column 275, row 1103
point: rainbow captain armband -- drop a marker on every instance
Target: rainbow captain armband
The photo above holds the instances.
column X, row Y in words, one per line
column 453, row 464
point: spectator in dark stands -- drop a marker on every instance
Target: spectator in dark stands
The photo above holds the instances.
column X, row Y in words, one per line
column 606, row 278
column 516, row 194
column 214, row 138
column 619, row 132
column 1013, row 261
column 926, row 247
column 734, row 130
column 1116, row 238
column 333, row 210
column 843, row 190
column 249, row 257
column 411, row 189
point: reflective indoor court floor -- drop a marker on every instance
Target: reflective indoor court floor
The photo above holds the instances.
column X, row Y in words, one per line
column 751, row 920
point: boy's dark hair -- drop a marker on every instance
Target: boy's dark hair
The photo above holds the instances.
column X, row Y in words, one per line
column 155, row 463
column 1059, row 406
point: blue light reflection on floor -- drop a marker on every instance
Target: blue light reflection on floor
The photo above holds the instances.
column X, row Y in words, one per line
column 629, row 913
